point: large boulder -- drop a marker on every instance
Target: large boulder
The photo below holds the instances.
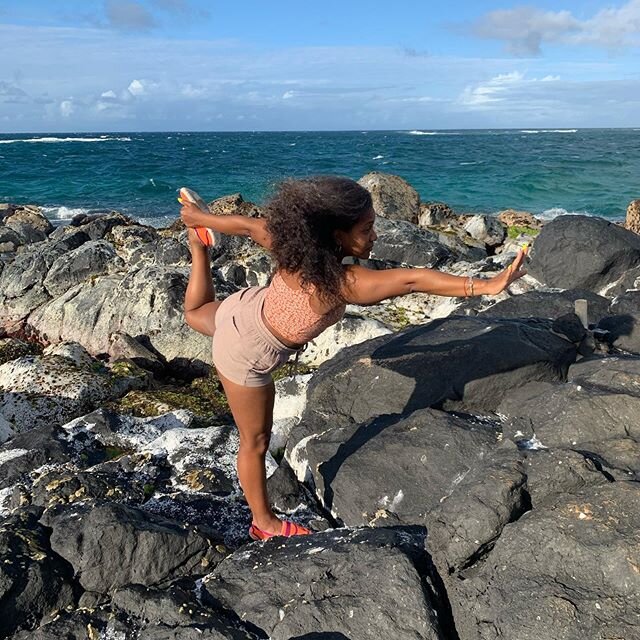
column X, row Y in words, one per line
column 583, row 252
column 477, row 360
column 145, row 302
column 112, row 545
column 412, row 463
column 34, row 582
column 402, row 243
column 392, row 196
column 566, row 571
column 362, row 584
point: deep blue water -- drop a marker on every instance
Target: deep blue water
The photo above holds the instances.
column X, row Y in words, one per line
column 594, row 171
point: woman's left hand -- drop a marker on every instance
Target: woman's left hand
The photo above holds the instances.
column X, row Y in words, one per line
column 510, row 274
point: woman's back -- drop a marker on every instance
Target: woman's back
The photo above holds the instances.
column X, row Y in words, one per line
column 297, row 314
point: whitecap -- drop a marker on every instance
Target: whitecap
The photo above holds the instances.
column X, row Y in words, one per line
column 292, row 144
column 49, row 140
column 377, row 157
column 465, row 163
column 417, row 132
column 529, row 131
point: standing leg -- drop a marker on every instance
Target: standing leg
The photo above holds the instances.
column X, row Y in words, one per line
column 200, row 305
column 252, row 409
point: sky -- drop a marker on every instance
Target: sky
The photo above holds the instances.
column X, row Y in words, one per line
column 192, row 65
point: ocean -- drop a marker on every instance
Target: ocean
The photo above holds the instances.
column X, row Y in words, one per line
column 547, row 172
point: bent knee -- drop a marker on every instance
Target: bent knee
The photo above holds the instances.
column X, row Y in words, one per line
column 202, row 323
column 257, row 444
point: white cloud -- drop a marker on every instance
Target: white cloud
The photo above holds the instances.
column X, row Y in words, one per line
column 136, row 88
column 525, row 29
column 494, row 90
column 109, row 94
column 66, row 108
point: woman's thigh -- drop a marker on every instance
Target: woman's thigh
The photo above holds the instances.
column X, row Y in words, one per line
column 252, row 409
column 203, row 319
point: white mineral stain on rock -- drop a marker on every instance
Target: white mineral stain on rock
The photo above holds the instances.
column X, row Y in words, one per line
column 10, row 454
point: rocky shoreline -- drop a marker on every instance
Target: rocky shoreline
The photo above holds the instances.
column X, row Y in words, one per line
column 471, row 466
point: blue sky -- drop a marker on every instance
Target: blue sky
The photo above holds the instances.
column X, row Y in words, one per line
column 149, row 65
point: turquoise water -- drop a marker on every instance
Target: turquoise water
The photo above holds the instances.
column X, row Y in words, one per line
column 593, row 171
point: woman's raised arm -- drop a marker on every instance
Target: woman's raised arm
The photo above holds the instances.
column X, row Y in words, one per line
column 368, row 286
column 234, row 225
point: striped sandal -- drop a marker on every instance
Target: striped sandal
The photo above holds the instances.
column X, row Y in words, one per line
column 288, row 529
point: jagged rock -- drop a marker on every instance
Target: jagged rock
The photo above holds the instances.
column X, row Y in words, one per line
column 583, row 252
column 176, row 614
column 72, row 351
column 548, row 304
column 566, row 571
column 291, row 398
column 481, row 502
column 487, row 229
column 22, row 280
column 34, row 581
column 328, row 584
column 402, row 243
column 413, row 463
column 82, row 625
column 164, row 251
column 348, row 331
column 12, row 348
column 632, row 221
column 571, row 415
column 91, row 259
column 96, row 225
column 512, row 218
column 38, row 390
column 111, row 545
column 122, row 345
column 435, row 214
column 621, row 323
column 477, row 360
column 26, row 225
column 6, row 430
column 28, row 451
column 393, row 197
column 146, row 301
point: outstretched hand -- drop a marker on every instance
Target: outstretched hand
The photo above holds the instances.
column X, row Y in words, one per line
column 511, row 273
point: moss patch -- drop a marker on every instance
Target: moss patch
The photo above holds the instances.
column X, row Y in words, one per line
column 203, row 397
column 514, row 231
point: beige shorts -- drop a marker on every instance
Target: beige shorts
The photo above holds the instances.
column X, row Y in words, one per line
column 244, row 350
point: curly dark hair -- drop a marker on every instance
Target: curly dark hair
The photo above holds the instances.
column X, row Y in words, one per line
column 302, row 218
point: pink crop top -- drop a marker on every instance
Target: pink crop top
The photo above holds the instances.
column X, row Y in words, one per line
column 288, row 311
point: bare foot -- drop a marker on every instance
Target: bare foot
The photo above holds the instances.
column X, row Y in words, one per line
column 194, row 241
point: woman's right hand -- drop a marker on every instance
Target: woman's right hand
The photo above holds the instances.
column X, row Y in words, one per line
column 193, row 216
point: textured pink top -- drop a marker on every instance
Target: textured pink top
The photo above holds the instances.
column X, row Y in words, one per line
column 289, row 312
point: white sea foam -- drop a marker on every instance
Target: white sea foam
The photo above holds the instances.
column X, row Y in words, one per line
column 548, row 131
column 465, row 163
column 377, row 157
column 63, row 213
column 416, row 132
column 554, row 212
column 51, row 140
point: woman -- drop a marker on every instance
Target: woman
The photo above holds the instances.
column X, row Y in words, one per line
column 310, row 226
